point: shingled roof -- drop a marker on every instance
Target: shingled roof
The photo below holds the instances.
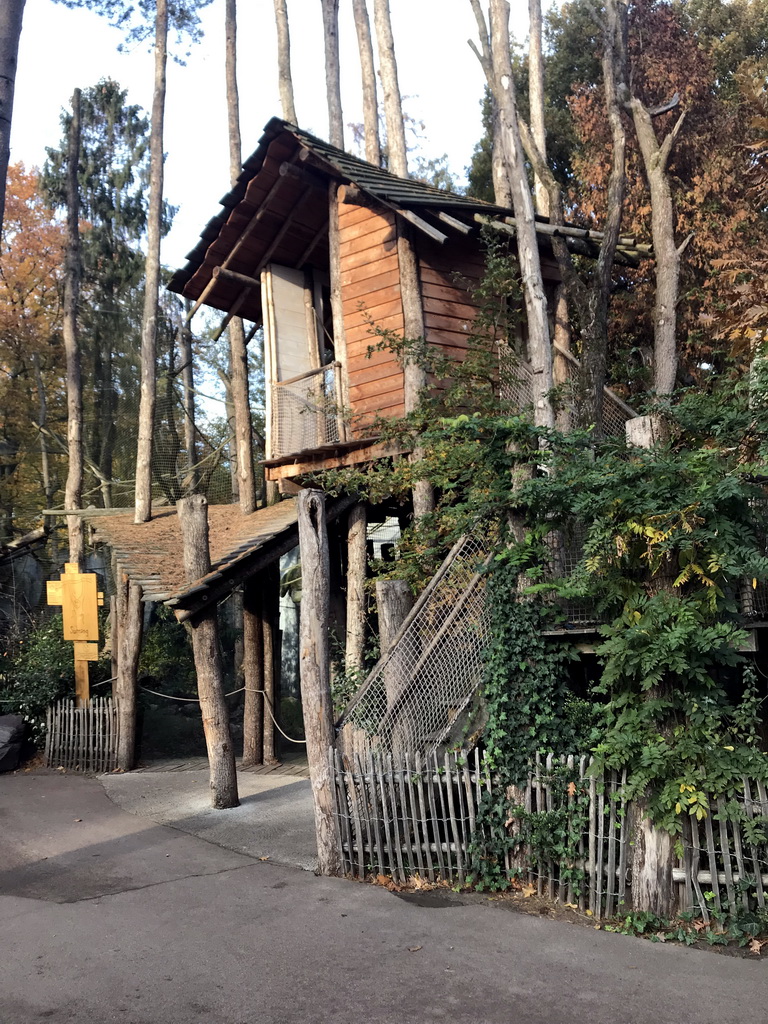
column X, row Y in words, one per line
column 259, row 187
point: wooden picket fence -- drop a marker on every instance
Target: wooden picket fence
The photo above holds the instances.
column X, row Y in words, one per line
column 419, row 816
column 82, row 739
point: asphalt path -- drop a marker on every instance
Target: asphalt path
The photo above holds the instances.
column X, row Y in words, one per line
column 106, row 916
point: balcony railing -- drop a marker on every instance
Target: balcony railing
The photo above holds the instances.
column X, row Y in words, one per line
column 306, row 411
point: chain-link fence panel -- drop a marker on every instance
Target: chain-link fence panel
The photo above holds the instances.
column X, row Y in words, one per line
column 418, row 691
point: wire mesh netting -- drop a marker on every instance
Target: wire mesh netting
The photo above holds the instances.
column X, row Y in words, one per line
column 305, row 412
column 516, row 391
column 418, row 691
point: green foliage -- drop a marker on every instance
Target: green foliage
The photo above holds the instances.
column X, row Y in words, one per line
column 39, row 669
column 737, row 926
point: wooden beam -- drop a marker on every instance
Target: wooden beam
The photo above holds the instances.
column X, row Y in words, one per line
column 254, row 278
column 232, row 275
column 283, row 176
column 423, row 225
column 454, row 222
column 339, row 461
column 322, row 230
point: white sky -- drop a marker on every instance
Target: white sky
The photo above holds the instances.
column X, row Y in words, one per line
column 62, row 49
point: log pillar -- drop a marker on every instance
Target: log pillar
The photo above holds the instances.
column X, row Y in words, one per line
column 193, row 519
column 130, row 618
column 253, row 673
column 652, row 848
column 357, row 563
column 316, row 699
column 271, row 657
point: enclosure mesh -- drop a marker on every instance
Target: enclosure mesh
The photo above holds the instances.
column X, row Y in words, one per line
column 419, row 689
column 305, row 413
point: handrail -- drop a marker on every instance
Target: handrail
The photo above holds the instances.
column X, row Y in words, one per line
column 308, row 373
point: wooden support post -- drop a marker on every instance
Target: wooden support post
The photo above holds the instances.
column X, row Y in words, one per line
column 193, row 519
column 270, row 624
column 357, row 563
column 130, row 613
column 651, row 848
column 253, row 673
column 315, row 673
column 394, row 601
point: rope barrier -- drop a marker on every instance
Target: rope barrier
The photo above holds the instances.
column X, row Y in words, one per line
column 196, row 700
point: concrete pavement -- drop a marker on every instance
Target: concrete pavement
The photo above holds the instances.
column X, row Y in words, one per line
column 125, row 920
column 275, row 818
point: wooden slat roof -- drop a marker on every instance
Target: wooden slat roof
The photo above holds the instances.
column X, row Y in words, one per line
column 151, row 553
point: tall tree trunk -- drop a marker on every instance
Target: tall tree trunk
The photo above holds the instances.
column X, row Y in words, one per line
column 143, row 512
column 238, row 350
column 253, row 673
column 356, row 568
column 11, row 16
column 284, row 79
column 42, row 422
column 368, row 73
column 397, row 153
column 415, row 378
column 501, row 190
column 73, row 494
column 316, row 699
column 233, row 100
column 594, row 359
column 665, row 250
column 130, row 617
column 332, row 72
column 503, row 87
column 193, row 519
column 536, row 99
column 188, row 402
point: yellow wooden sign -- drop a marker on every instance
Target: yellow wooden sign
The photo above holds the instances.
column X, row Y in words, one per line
column 77, row 594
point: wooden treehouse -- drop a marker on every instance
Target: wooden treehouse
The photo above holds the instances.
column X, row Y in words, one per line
column 268, row 257
column 322, row 251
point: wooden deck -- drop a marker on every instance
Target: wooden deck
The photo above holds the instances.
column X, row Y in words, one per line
column 295, row 766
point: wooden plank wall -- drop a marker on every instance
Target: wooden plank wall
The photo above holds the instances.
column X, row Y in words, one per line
column 449, row 273
column 370, row 281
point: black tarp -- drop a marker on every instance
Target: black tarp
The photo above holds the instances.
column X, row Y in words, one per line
column 12, row 731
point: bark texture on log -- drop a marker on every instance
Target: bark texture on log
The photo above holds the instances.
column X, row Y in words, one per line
column 233, row 99
column 284, row 79
column 193, row 520
column 73, row 492
column 253, row 673
column 188, row 385
column 652, row 849
column 11, row 17
column 357, row 564
column 646, row 431
column 238, row 376
column 394, row 601
column 130, row 616
column 315, row 674
column 271, row 647
column 332, row 72
column 143, row 511
column 536, row 98
column 503, row 88
column 397, row 152
column 368, row 73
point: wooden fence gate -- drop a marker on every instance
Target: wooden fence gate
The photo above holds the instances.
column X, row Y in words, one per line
column 82, row 739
